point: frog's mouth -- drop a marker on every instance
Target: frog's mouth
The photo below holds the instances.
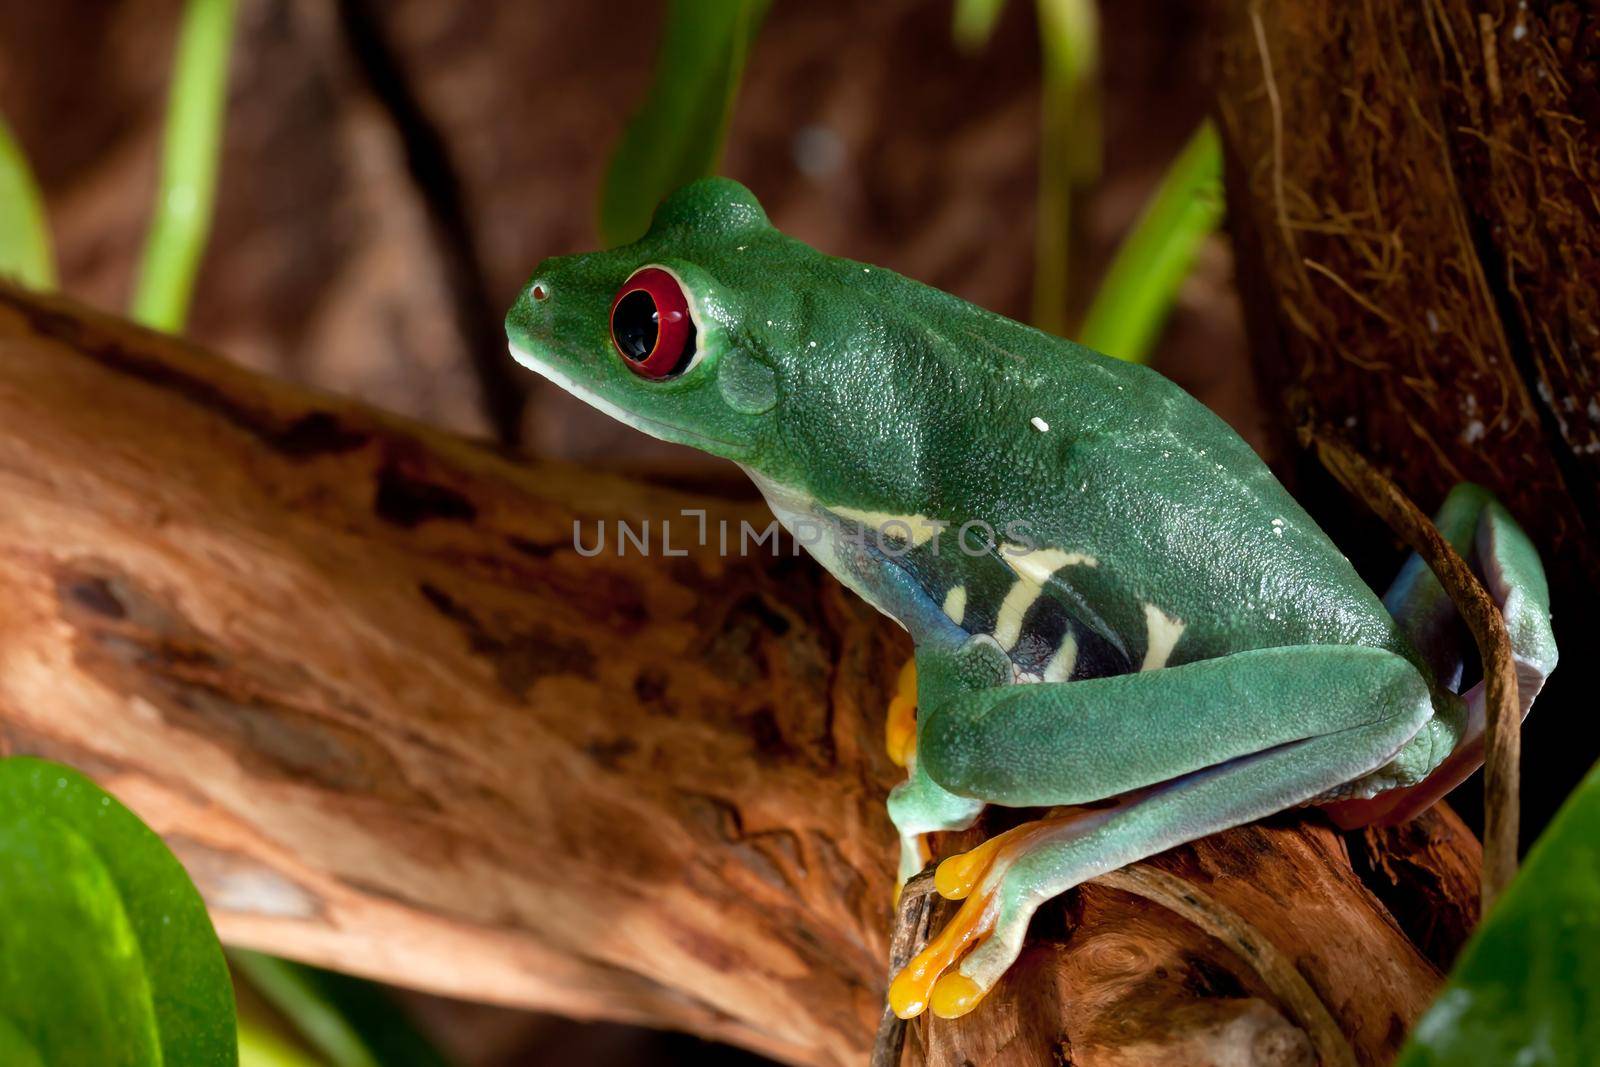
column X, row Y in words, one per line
column 660, row 430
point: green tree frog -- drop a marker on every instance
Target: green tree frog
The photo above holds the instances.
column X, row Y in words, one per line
column 1112, row 600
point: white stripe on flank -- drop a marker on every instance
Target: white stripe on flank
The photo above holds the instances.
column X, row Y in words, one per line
column 1008, row 626
column 917, row 529
column 1033, row 567
column 1060, row 667
column 955, row 604
column 1038, row 564
column 1161, row 634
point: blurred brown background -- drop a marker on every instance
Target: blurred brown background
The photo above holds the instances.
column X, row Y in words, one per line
column 346, row 253
column 393, row 171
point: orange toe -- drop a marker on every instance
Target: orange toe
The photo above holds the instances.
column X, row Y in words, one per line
column 911, row 989
column 900, row 727
column 954, row 995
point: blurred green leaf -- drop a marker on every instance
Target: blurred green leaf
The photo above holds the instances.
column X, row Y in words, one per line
column 677, row 135
column 1069, row 148
column 196, row 103
column 1526, row 990
column 107, row 956
column 973, row 21
column 16, row 1050
column 1142, row 282
column 259, row 1047
column 24, row 233
column 350, row 1022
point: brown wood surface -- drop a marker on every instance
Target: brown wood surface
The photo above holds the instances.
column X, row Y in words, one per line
column 355, row 672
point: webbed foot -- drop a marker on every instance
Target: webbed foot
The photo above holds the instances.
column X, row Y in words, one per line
column 979, row 877
column 900, row 738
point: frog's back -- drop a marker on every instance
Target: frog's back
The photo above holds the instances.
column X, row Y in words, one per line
column 1129, row 520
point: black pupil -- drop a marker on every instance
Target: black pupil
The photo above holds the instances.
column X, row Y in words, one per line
column 634, row 324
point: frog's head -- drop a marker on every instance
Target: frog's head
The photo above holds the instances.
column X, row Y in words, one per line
column 715, row 330
column 659, row 333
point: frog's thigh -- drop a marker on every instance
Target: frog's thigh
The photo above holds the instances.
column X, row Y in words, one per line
column 1508, row 564
column 1076, row 742
column 1419, row 603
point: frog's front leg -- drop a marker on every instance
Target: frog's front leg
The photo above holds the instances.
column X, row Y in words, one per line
column 1186, row 751
column 919, row 805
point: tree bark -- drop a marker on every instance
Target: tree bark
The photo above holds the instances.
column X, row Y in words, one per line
column 1411, row 190
column 394, row 721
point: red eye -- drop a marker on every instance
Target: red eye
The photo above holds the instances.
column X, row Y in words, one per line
column 651, row 325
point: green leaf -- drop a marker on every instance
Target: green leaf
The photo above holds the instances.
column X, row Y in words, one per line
column 193, row 145
column 24, row 235
column 1526, row 989
column 1069, row 147
column 107, row 956
column 259, row 1047
column 1143, row 280
column 16, row 1050
column 973, row 21
column 350, row 1022
column 676, row 136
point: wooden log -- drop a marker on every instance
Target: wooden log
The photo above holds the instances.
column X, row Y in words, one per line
column 394, row 721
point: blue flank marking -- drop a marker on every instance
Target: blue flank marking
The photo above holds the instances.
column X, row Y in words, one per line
column 913, row 605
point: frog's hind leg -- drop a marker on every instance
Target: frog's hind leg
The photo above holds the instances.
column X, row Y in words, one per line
column 1185, row 751
column 1503, row 558
column 900, row 725
column 1500, row 554
column 919, row 806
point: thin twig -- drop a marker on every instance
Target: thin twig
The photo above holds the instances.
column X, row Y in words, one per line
column 1503, row 740
column 1276, row 969
column 912, row 923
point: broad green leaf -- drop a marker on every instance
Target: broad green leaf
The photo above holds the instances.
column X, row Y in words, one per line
column 349, row 1021
column 24, row 234
column 676, row 136
column 192, row 147
column 1143, row 280
column 1526, row 990
column 107, row 956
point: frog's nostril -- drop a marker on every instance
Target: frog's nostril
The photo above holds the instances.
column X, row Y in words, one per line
column 540, row 292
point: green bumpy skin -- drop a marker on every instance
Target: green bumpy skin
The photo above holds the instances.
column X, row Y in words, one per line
column 1110, row 594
